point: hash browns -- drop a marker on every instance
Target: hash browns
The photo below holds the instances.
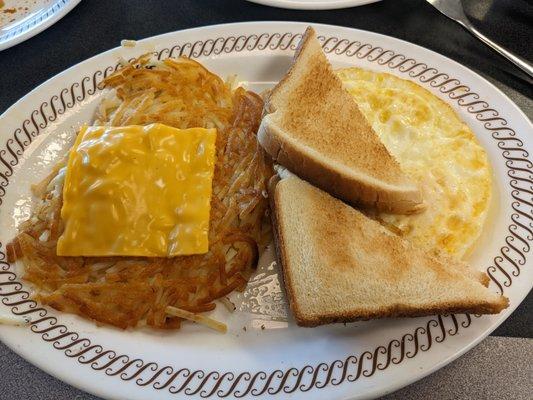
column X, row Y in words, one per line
column 131, row 291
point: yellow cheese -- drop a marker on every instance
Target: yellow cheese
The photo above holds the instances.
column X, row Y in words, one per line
column 138, row 191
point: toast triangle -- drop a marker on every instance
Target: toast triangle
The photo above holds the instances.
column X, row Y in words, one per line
column 341, row 266
column 313, row 126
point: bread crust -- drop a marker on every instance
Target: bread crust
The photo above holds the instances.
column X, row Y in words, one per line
column 340, row 182
column 399, row 311
column 280, row 247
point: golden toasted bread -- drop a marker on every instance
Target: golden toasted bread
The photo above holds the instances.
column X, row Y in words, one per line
column 313, row 126
column 341, row 266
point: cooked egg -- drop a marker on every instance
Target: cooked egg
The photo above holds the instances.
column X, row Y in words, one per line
column 138, row 191
column 437, row 150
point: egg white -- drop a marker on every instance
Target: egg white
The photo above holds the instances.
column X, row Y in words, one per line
column 437, row 150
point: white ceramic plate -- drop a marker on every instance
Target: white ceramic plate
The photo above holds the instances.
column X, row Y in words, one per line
column 22, row 19
column 273, row 358
column 313, row 4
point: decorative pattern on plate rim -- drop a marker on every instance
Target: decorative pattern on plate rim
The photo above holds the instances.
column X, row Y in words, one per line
column 506, row 265
column 44, row 14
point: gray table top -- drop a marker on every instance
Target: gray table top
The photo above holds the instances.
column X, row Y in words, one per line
column 500, row 367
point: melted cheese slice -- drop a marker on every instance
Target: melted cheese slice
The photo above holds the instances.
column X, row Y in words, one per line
column 138, row 191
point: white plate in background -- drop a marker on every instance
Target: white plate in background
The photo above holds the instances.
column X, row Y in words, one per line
column 313, row 4
column 22, row 19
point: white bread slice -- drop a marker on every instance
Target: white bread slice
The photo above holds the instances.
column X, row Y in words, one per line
column 341, row 266
column 313, row 126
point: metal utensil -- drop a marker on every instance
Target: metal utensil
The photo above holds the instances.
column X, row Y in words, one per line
column 453, row 9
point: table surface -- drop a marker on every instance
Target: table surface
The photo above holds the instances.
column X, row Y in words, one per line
column 98, row 25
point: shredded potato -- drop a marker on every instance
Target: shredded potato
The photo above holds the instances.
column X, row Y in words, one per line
column 127, row 291
column 198, row 318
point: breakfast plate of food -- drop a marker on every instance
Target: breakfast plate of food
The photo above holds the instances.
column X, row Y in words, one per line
column 261, row 210
column 22, row 19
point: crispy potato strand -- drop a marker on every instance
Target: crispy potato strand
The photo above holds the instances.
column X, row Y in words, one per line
column 198, row 318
